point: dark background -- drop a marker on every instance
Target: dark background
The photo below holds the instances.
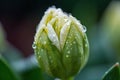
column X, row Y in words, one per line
column 20, row 17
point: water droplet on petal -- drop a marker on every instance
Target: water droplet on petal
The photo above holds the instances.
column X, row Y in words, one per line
column 39, row 57
column 86, row 45
column 71, row 44
column 66, row 20
column 39, row 53
column 68, row 52
column 66, row 47
column 53, row 35
column 34, row 45
column 66, row 42
column 44, row 42
column 40, row 38
column 84, row 29
column 75, row 37
column 67, row 56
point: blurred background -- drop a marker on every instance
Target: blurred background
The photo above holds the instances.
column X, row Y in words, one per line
column 18, row 21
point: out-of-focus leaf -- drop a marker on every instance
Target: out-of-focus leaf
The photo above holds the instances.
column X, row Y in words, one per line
column 2, row 39
column 30, row 70
column 47, row 77
column 6, row 72
column 11, row 53
column 89, row 72
column 8, row 51
column 113, row 73
column 111, row 27
column 35, row 74
column 32, row 74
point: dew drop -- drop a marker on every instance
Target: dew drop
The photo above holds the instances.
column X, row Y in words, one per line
column 68, row 52
column 67, row 56
column 41, row 49
column 65, row 20
column 34, row 45
column 39, row 53
column 39, row 57
column 75, row 37
column 67, row 24
column 84, row 28
column 86, row 45
column 66, row 42
column 54, row 40
column 53, row 35
column 71, row 44
column 44, row 42
column 40, row 38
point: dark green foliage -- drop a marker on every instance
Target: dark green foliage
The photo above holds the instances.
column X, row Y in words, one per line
column 33, row 74
column 5, row 71
column 113, row 73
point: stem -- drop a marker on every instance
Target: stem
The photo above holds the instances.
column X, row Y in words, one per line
column 71, row 78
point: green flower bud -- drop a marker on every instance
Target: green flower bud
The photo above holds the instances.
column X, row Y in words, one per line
column 60, row 44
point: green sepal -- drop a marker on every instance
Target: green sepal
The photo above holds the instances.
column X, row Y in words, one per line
column 49, row 57
column 75, row 51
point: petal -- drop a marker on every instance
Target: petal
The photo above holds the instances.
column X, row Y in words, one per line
column 79, row 25
column 53, row 36
column 63, row 33
column 38, row 32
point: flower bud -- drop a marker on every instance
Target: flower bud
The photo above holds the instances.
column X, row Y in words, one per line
column 60, row 44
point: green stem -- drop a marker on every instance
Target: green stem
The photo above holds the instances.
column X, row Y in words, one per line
column 71, row 78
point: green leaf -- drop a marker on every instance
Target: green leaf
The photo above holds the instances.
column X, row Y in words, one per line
column 113, row 73
column 32, row 74
column 6, row 72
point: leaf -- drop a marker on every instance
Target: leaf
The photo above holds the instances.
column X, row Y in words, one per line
column 113, row 73
column 32, row 74
column 35, row 74
column 6, row 72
